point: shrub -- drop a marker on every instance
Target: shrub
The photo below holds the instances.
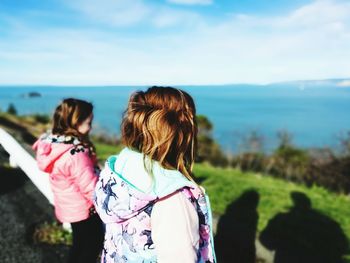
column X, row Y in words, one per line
column 208, row 150
column 345, row 143
column 253, row 142
column 12, row 109
column 204, row 125
column 334, row 174
column 251, row 157
column 290, row 163
column 42, row 118
column 250, row 161
column 52, row 233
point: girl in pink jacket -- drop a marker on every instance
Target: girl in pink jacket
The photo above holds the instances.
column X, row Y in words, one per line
column 69, row 157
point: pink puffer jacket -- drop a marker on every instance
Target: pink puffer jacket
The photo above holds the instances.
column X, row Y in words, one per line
column 72, row 175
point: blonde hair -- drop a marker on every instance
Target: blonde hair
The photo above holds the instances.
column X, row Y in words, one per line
column 69, row 114
column 161, row 124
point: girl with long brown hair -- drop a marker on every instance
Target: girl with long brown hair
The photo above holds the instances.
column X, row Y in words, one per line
column 146, row 195
column 69, row 157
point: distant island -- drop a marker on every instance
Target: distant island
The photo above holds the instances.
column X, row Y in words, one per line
column 32, row 94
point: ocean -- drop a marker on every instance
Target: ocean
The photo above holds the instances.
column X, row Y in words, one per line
column 314, row 116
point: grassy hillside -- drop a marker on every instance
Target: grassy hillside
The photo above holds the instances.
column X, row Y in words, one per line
column 227, row 186
column 323, row 227
column 105, row 150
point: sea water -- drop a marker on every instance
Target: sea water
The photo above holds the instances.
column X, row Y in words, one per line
column 314, row 117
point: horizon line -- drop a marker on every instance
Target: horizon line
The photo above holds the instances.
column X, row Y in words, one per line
column 149, row 85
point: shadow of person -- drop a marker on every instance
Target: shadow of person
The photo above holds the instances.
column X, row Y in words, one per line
column 11, row 179
column 235, row 238
column 304, row 235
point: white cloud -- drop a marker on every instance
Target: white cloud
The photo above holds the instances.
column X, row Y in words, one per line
column 113, row 12
column 307, row 43
column 265, row 49
column 191, row 2
column 319, row 13
column 121, row 13
column 167, row 17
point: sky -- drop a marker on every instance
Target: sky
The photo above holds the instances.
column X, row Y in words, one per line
column 172, row 42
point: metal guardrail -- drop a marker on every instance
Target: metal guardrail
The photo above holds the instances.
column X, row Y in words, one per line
column 19, row 157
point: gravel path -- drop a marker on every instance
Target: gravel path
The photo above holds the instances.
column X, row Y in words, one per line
column 22, row 207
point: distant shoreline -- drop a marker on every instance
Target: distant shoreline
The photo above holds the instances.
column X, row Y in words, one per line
column 315, row 117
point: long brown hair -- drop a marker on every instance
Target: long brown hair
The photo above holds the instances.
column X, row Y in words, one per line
column 161, row 124
column 68, row 116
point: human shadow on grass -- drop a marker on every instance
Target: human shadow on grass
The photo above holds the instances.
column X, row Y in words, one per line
column 235, row 238
column 304, row 235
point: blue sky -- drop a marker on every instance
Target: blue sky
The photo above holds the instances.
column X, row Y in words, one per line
column 172, row 42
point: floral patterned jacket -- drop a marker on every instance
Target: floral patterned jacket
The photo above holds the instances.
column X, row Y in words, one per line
column 126, row 211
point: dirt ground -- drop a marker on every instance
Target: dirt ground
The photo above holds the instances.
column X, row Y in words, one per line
column 22, row 207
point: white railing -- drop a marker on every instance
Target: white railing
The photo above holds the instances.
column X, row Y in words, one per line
column 21, row 158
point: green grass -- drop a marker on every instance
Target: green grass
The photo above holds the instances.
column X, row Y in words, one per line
column 105, row 150
column 52, row 233
column 226, row 185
